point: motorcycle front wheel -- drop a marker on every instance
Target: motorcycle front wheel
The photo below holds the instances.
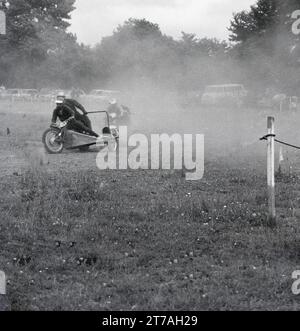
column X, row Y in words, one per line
column 52, row 144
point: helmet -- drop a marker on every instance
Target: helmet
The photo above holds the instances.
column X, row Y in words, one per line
column 113, row 102
column 60, row 98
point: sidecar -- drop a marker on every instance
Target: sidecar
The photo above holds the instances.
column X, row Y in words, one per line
column 58, row 137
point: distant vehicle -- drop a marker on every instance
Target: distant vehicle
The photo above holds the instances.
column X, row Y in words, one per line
column 228, row 94
column 20, row 94
column 100, row 98
column 103, row 94
column 12, row 93
column 47, row 94
column 29, row 94
column 73, row 94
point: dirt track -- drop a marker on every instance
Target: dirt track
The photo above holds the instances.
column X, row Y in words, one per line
column 157, row 240
column 231, row 135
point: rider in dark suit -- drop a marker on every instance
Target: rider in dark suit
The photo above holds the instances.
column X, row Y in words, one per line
column 80, row 112
column 65, row 112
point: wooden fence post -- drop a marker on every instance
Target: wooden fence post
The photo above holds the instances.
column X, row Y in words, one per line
column 2, row 283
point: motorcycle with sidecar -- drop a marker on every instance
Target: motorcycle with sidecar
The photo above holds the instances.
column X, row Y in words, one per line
column 58, row 137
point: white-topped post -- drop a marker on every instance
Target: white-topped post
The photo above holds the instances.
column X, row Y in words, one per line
column 271, row 171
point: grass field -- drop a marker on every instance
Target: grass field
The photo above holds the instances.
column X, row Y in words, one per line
column 73, row 237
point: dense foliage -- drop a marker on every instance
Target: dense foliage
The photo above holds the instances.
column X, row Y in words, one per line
column 38, row 51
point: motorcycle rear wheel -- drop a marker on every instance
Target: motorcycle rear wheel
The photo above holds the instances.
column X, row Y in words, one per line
column 52, row 145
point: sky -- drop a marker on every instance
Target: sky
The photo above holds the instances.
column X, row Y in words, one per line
column 94, row 19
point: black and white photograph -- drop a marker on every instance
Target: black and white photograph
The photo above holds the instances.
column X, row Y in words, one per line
column 149, row 158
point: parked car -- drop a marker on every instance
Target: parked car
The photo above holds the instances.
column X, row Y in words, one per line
column 220, row 95
column 103, row 94
column 20, row 94
column 100, row 98
column 46, row 95
column 12, row 94
column 49, row 95
column 74, row 93
column 29, row 94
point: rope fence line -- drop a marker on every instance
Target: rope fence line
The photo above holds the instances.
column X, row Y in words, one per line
column 278, row 141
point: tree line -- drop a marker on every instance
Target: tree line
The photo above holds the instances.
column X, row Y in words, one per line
column 38, row 51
